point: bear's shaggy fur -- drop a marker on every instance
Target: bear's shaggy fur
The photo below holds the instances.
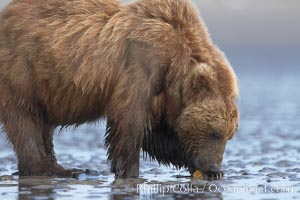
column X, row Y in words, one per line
column 149, row 67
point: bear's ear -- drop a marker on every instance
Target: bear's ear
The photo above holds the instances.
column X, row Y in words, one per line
column 203, row 79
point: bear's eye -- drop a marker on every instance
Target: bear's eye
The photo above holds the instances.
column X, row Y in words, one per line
column 216, row 135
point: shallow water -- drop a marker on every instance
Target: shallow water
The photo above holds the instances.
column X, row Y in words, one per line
column 261, row 162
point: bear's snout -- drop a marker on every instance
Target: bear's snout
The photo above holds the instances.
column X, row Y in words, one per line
column 208, row 171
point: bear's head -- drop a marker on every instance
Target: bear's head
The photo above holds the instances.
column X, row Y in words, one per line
column 208, row 117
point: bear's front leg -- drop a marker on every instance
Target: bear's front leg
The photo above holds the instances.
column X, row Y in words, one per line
column 124, row 141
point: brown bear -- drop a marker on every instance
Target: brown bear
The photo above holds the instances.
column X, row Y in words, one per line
column 149, row 67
